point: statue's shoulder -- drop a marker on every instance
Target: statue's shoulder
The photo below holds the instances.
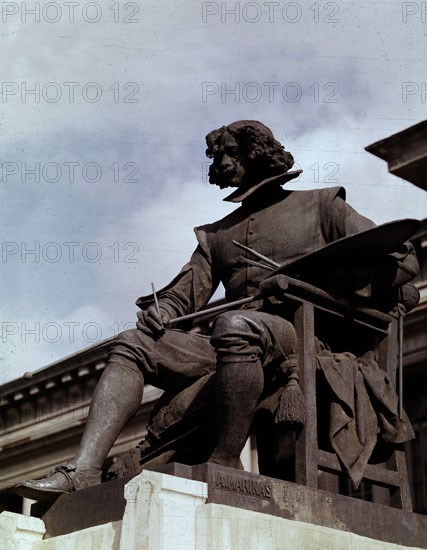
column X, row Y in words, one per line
column 320, row 199
column 206, row 234
column 321, row 193
column 211, row 228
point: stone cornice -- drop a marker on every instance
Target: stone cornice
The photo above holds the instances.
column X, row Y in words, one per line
column 82, row 364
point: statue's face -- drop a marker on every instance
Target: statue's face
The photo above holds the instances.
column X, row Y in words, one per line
column 228, row 162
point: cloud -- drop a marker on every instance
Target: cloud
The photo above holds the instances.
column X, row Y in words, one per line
column 163, row 61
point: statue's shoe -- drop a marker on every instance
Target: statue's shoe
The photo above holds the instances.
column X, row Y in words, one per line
column 64, row 479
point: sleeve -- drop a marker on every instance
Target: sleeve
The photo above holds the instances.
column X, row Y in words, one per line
column 345, row 221
column 391, row 270
column 190, row 290
column 193, row 287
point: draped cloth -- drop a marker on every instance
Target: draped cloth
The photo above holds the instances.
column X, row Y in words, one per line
column 364, row 407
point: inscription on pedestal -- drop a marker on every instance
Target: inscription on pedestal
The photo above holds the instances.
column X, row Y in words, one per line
column 243, row 485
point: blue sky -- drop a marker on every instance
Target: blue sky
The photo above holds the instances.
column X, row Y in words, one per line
column 120, row 171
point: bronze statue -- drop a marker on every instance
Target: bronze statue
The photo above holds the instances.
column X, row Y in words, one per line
column 245, row 343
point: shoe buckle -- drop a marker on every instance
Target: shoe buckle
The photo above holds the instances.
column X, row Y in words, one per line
column 66, row 469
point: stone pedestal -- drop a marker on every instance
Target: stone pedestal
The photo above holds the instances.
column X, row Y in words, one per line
column 224, row 528
column 165, row 512
column 161, row 512
column 20, row 532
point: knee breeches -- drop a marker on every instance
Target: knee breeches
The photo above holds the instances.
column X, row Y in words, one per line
column 177, row 358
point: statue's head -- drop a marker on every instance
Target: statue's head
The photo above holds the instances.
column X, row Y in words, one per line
column 245, row 153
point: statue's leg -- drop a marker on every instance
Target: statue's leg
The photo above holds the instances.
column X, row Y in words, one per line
column 174, row 360
column 116, row 399
column 239, row 386
column 245, row 341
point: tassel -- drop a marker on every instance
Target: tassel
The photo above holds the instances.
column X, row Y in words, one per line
column 291, row 409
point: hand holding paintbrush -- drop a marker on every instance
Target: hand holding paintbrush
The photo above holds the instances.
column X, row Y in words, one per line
column 153, row 320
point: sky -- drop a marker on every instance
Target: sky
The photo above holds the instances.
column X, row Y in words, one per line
column 104, row 108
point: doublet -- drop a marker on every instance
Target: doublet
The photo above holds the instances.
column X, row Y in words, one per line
column 282, row 225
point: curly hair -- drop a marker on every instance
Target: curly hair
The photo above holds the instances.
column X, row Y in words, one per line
column 265, row 155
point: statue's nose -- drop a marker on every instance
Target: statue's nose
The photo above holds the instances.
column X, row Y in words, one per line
column 226, row 161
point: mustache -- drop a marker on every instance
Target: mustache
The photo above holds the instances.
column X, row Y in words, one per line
column 217, row 174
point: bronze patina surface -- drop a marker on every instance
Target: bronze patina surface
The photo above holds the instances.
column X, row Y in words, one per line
column 221, row 377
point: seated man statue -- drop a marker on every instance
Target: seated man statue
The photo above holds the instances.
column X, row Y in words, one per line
column 280, row 224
